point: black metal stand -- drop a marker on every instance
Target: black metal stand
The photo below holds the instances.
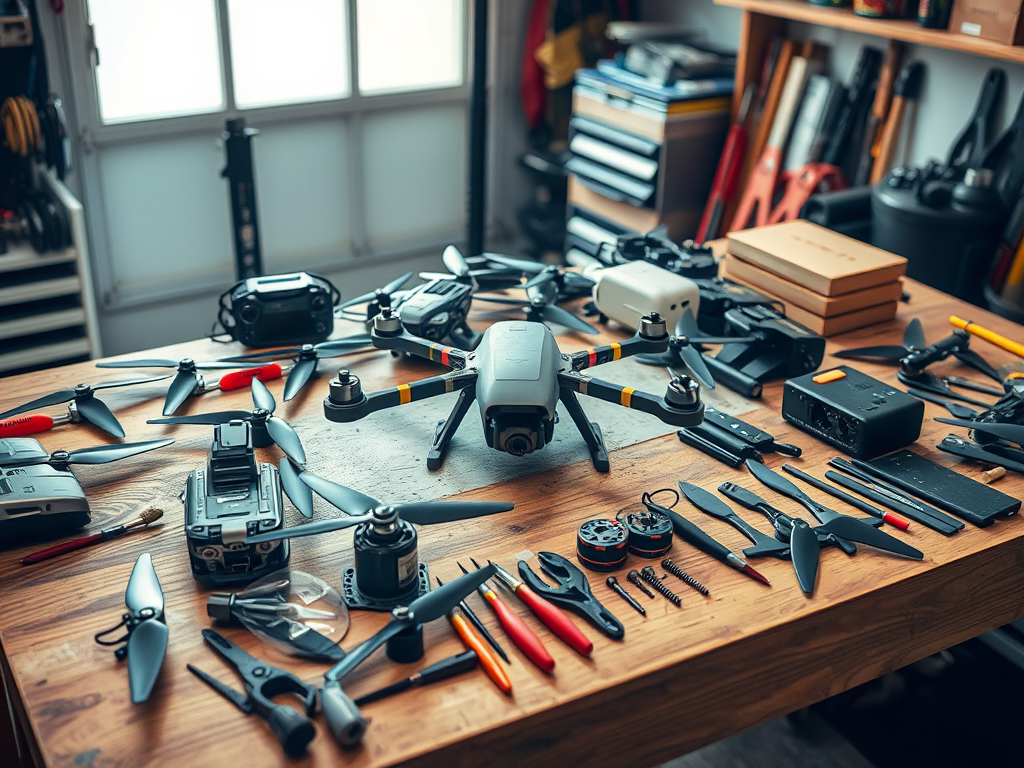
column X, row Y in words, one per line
column 242, row 193
column 589, row 429
column 476, row 192
column 446, row 429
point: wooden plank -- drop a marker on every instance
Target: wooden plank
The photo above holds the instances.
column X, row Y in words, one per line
column 891, row 29
column 714, row 667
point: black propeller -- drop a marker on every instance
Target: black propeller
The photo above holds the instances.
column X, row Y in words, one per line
column 89, row 407
column 364, row 509
column 541, row 308
column 569, row 284
column 307, row 356
column 343, row 717
column 382, row 296
column 186, row 380
column 915, row 342
column 487, row 278
column 681, row 350
column 913, row 339
column 100, row 454
column 262, row 419
column 990, row 431
column 145, row 645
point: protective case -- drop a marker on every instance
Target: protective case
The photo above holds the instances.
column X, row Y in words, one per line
column 957, row 494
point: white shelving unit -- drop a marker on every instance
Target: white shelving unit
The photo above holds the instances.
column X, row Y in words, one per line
column 47, row 305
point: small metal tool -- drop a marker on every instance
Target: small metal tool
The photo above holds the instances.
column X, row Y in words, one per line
column 615, row 587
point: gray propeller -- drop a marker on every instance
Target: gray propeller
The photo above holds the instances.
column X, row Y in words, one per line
column 343, row 718
column 280, row 431
column 90, row 407
column 310, row 355
column 300, row 494
column 146, row 643
column 100, row 454
column 541, row 307
column 363, row 509
column 185, row 380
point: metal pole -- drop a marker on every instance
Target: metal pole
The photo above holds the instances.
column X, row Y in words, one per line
column 477, row 203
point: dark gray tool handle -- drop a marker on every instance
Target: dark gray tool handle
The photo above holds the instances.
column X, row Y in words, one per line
column 292, row 729
column 345, row 721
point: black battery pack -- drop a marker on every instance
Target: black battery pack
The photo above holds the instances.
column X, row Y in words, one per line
column 859, row 415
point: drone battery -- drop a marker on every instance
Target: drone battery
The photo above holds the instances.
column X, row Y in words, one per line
column 602, row 545
column 627, row 292
column 650, row 532
column 862, row 416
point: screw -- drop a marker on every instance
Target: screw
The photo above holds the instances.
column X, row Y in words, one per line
column 612, row 582
column 647, row 574
column 686, row 578
column 634, row 578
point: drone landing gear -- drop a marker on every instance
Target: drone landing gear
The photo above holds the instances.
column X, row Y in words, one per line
column 464, row 337
column 446, row 429
column 590, row 430
column 356, row 600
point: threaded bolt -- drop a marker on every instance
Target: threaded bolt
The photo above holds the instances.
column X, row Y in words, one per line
column 683, row 576
column 634, row 579
column 647, row 574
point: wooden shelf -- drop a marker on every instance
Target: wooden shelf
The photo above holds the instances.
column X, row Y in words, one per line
column 905, row 30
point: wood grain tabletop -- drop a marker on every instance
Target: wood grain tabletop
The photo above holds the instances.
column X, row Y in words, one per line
column 681, row 678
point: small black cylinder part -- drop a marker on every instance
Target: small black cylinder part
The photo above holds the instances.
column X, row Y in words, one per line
column 649, row 532
column 292, row 729
column 407, row 646
column 602, row 545
column 387, row 565
column 218, row 606
column 735, row 380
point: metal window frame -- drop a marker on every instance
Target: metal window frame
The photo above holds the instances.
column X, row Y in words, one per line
column 93, row 134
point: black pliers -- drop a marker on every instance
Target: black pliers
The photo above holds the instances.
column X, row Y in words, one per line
column 262, row 683
column 573, row 592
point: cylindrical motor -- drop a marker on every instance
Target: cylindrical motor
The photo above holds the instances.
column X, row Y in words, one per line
column 387, row 564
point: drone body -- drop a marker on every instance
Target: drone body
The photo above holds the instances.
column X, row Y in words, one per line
column 38, row 491
column 518, row 375
column 37, row 497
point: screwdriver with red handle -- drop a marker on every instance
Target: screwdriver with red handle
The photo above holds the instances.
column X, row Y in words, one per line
column 554, row 618
column 34, row 423
column 727, row 174
column 242, row 379
column 521, row 635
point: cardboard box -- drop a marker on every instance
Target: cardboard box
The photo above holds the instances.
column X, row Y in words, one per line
column 998, row 20
column 817, row 258
column 830, row 326
column 823, row 306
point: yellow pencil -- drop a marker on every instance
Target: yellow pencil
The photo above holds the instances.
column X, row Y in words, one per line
column 990, row 336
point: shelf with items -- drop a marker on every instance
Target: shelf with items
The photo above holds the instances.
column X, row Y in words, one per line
column 906, row 31
column 47, row 310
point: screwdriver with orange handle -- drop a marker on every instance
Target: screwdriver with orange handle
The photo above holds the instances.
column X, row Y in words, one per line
column 521, row 635
column 554, row 618
column 990, row 336
column 491, row 666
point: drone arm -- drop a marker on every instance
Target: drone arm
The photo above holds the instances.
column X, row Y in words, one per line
column 606, row 353
column 452, row 381
column 453, row 357
column 635, row 399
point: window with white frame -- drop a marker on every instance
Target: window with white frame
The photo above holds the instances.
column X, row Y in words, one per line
column 360, row 105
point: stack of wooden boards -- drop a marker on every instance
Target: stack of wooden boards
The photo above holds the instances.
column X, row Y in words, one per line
column 829, row 283
column 642, row 155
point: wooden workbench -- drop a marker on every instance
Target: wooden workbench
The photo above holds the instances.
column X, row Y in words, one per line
column 682, row 678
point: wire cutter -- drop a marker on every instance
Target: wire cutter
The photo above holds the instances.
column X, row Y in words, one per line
column 262, row 683
column 573, row 592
